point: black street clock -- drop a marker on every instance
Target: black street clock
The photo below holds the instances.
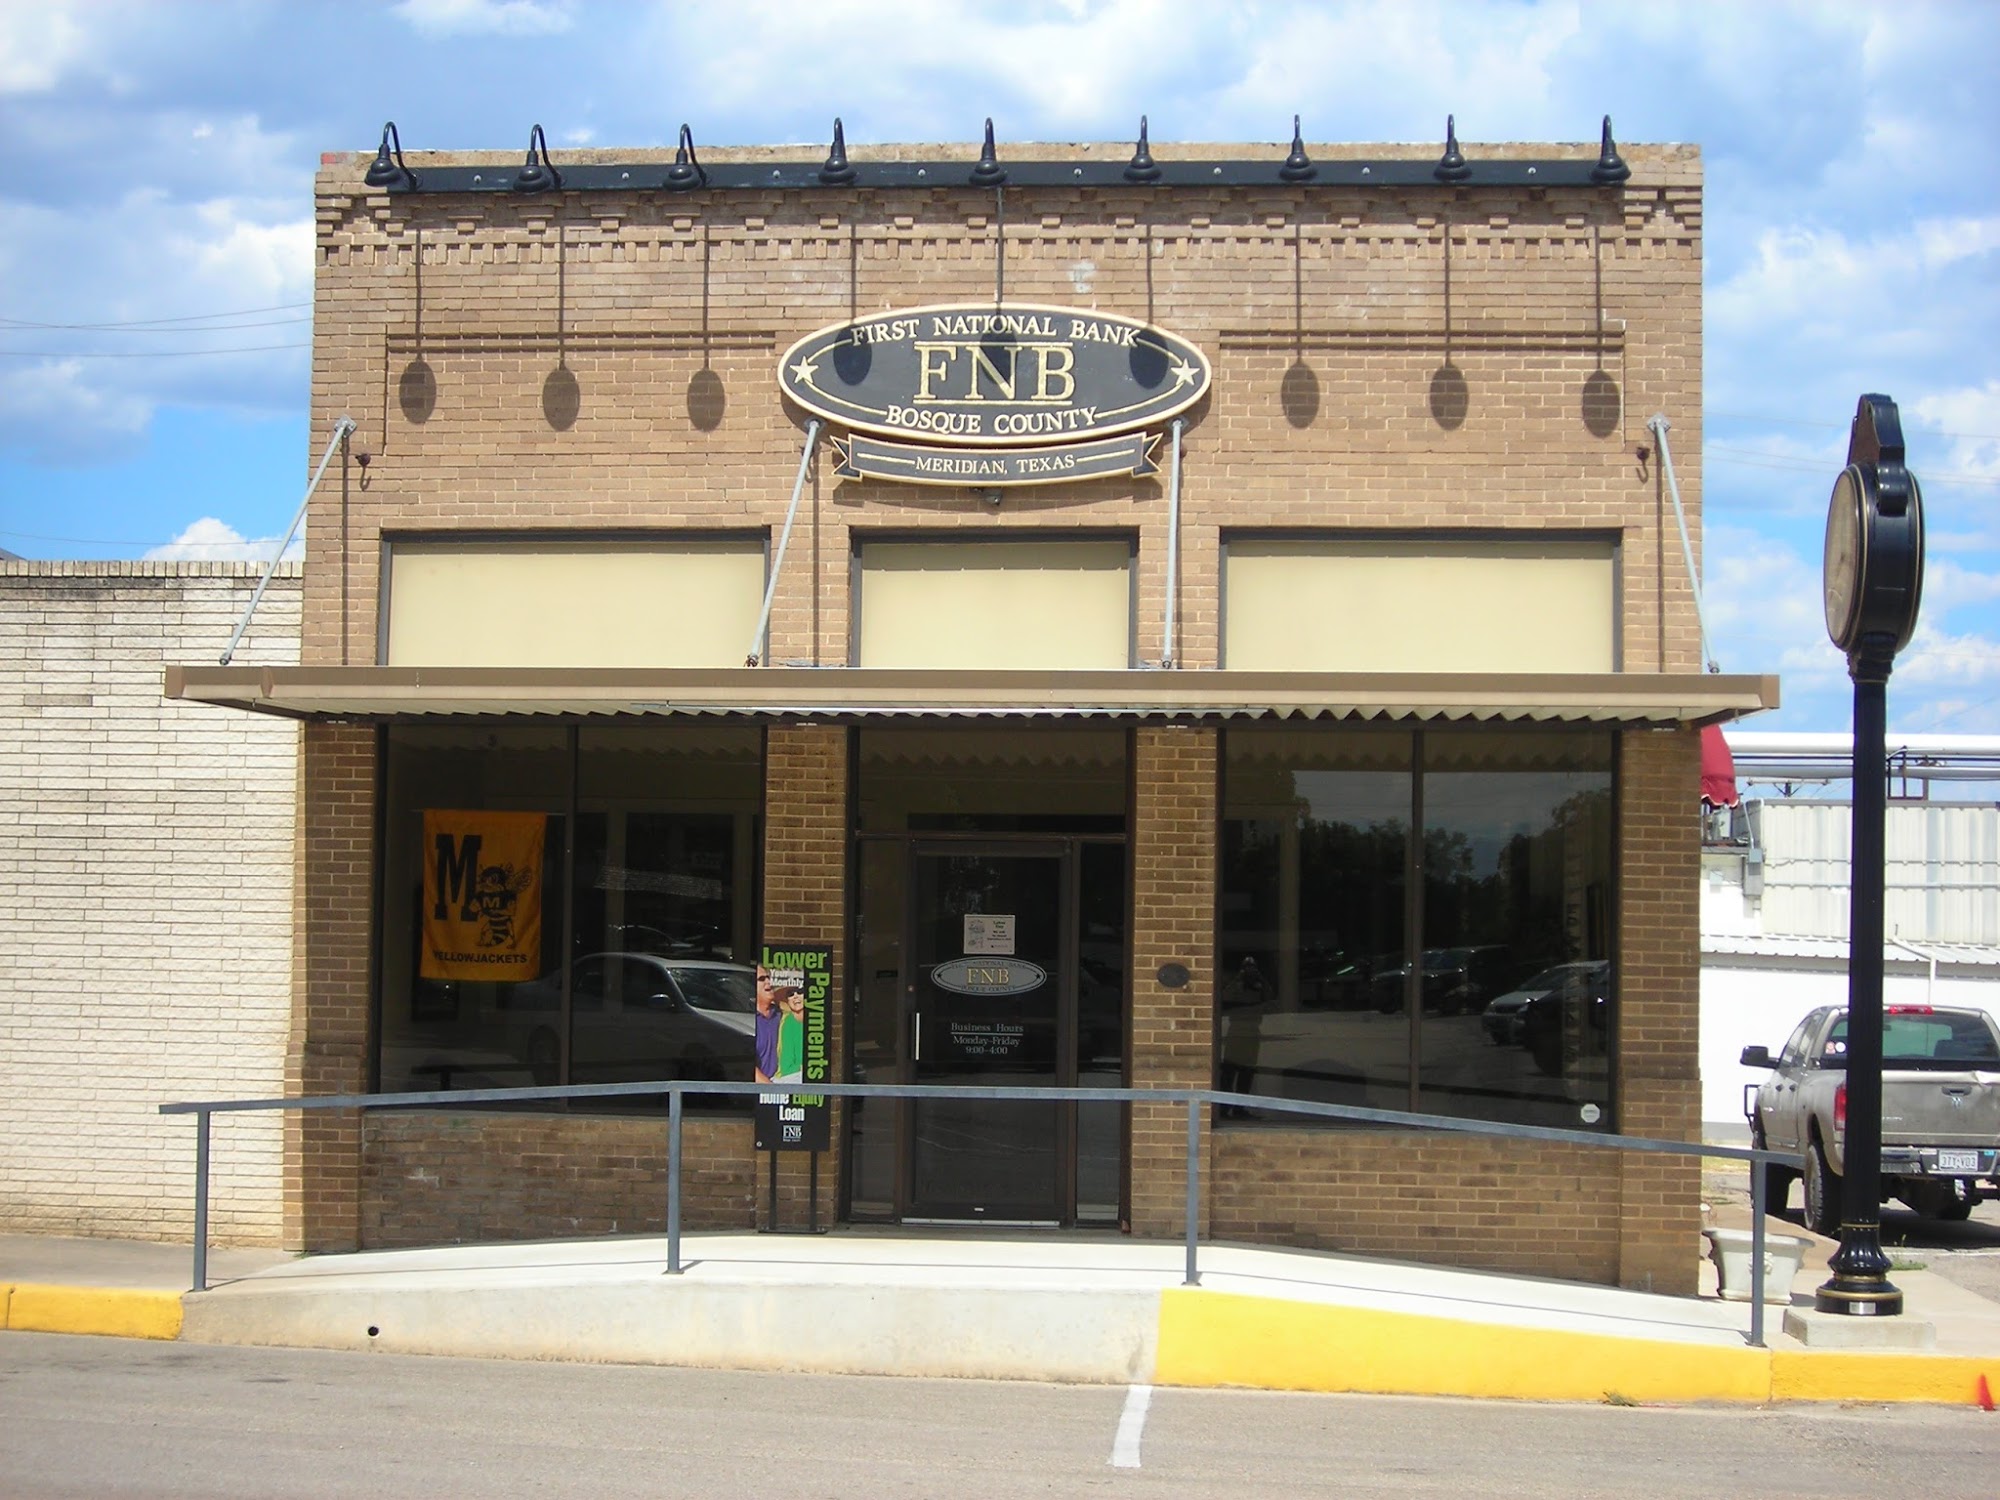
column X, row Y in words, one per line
column 1874, row 573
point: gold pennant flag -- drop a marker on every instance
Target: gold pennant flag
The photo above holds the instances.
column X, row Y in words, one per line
column 482, row 895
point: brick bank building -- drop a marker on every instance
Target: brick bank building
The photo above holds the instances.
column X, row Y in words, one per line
column 1236, row 588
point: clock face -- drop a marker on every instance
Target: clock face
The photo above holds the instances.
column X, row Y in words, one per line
column 1842, row 576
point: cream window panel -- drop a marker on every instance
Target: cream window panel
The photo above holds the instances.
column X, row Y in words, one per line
column 573, row 604
column 1444, row 605
column 995, row 605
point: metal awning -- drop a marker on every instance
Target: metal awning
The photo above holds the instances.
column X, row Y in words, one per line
column 867, row 693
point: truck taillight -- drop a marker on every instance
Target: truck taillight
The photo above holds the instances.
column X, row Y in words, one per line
column 1840, row 1107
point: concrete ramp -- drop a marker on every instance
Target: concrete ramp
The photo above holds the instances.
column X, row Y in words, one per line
column 849, row 1305
column 1079, row 1308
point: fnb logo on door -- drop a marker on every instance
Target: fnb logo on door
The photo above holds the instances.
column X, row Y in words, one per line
column 982, row 976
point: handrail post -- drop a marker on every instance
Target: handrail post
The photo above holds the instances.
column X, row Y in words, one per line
column 201, row 1117
column 1757, row 1255
column 1193, row 1186
column 674, row 1181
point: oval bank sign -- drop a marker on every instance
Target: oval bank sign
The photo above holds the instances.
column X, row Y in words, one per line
column 978, row 375
column 989, row 976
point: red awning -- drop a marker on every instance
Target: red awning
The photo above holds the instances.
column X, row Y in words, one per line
column 1718, row 769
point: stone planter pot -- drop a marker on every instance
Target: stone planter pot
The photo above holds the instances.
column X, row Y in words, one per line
column 1730, row 1250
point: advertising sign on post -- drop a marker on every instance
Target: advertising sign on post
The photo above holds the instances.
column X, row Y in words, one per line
column 793, row 1042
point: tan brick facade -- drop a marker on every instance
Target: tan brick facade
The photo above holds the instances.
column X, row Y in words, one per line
column 1387, row 361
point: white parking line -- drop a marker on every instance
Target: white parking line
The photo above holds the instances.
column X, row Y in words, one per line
column 1131, row 1427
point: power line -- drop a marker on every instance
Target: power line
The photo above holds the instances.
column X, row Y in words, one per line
column 141, row 323
column 10, row 326
column 141, row 353
column 1753, row 460
column 1738, row 416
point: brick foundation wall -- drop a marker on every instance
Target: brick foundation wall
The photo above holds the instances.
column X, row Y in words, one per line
column 1489, row 1205
column 448, row 1179
column 146, row 868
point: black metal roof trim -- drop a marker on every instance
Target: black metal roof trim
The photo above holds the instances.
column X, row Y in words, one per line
column 893, row 176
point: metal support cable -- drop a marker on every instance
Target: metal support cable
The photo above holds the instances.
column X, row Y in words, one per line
column 342, row 427
column 1659, row 425
column 784, row 537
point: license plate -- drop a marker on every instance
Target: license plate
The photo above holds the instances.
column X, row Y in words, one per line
column 1958, row 1161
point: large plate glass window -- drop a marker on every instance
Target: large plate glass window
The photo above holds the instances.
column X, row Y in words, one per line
column 644, row 900
column 1418, row 921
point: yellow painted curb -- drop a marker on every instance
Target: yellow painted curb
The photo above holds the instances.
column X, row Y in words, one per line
column 1222, row 1338
column 1844, row 1375
column 122, row 1312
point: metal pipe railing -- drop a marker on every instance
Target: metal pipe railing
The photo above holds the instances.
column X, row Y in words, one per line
column 677, row 1090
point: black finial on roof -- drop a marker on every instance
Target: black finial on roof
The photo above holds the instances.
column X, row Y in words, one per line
column 1610, row 165
column 837, row 170
column 1142, row 167
column 1297, row 167
column 538, row 174
column 387, row 170
column 989, row 172
column 1451, row 166
column 686, row 172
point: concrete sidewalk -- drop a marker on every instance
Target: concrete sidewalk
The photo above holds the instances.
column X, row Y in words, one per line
column 126, row 1288
column 1026, row 1306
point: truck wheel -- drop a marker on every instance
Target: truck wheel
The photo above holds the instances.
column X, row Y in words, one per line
column 1777, row 1179
column 1822, row 1193
column 1955, row 1202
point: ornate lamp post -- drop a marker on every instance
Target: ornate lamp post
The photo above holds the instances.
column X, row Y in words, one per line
column 1874, row 578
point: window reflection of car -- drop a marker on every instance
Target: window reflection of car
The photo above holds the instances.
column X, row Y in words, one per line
column 635, row 1017
column 1456, row 980
column 1569, row 1022
column 1506, row 1016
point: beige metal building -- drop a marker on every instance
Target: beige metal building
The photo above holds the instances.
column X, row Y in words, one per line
column 1235, row 587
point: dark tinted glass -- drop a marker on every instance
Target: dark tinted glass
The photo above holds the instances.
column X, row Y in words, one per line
column 659, row 894
column 1509, row 980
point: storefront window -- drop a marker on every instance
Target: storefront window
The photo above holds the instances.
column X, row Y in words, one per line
column 620, row 956
column 1486, row 993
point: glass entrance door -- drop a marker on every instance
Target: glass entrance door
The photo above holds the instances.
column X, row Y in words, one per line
column 990, row 1002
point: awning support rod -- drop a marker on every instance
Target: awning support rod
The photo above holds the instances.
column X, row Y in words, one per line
column 1659, row 424
column 342, row 426
column 1173, row 540
column 784, row 537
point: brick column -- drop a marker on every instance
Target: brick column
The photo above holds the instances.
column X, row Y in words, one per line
column 1173, row 921
column 1659, row 1005
column 805, row 886
column 327, row 1051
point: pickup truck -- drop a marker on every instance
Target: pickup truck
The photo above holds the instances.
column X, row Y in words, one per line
column 1940, row 1111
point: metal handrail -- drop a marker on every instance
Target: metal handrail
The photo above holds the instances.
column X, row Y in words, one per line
column 677, row 1090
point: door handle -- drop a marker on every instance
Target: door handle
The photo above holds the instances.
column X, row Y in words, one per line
column 916, row 1036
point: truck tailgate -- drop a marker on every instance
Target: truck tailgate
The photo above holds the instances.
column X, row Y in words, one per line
column 1929, row 1108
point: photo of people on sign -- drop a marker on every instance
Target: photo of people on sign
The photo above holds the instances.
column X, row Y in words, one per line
column 482, row 896
column 794, row 994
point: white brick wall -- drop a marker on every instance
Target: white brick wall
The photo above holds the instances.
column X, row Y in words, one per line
column 146, row 873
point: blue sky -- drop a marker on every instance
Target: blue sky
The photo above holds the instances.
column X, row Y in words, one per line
column 156, row 222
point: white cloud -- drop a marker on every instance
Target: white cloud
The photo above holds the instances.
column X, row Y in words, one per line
column 1967, row 421
column 1807, row 278
column 439, row 18
column 210, row 540
column 148, row 258
column 254, row 260
column 52, row 412
column 39, row 45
